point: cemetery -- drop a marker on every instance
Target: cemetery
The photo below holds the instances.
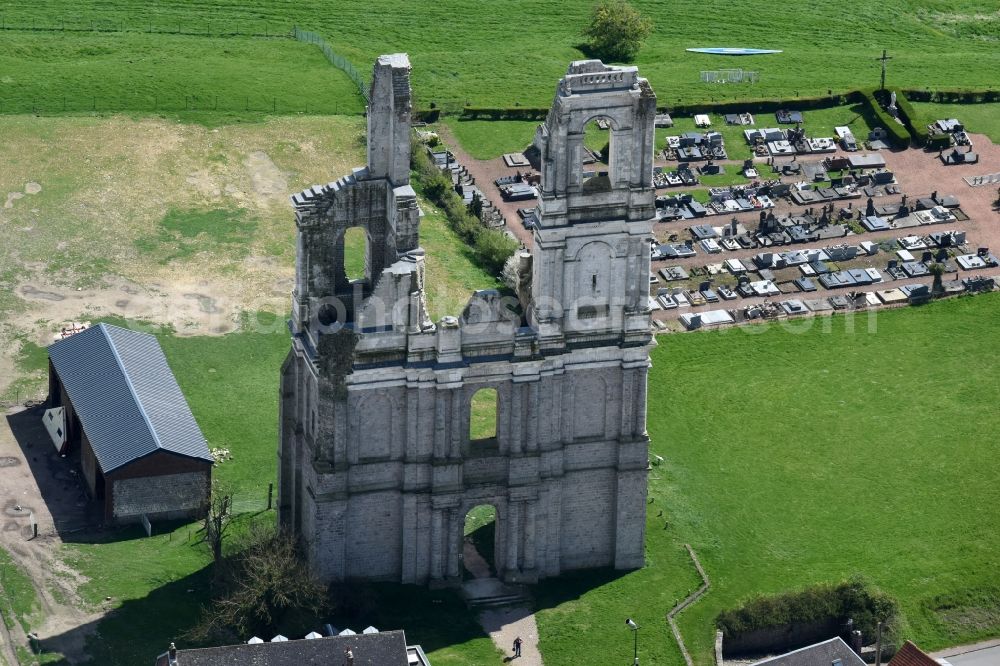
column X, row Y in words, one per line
column 850, row 249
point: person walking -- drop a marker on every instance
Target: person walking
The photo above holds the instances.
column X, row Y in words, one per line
column 517, row 646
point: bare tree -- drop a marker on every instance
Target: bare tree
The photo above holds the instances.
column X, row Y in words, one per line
column 264, row 583
column 218, row 518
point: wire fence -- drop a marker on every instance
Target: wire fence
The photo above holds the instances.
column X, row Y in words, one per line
column 73, row 102
column 335, row 59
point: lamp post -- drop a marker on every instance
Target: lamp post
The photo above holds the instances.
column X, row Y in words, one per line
column 630, row 623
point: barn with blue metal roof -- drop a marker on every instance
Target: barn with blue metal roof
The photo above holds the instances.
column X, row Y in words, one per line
column 141, row 450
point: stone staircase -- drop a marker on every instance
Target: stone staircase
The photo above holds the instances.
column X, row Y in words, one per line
column 482, row 593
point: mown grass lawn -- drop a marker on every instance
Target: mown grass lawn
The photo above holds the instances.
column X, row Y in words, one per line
column 73, row 72
column 793, row 454
column 977, row 118
column 467, row 52
column 802, row 457
column 808, row 453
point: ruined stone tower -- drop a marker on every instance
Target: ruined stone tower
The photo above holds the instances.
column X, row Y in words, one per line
column 377, row 466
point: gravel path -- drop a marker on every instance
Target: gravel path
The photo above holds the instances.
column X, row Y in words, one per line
column 504, row 625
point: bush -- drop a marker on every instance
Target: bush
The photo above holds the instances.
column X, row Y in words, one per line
column 491, row 247
column 854, row 599
column 938, row 141
column 616, row 31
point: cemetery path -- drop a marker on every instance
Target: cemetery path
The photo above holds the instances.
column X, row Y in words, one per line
column 506, row 624
column 485, row 172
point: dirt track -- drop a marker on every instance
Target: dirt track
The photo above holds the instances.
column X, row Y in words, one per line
column 34, row 482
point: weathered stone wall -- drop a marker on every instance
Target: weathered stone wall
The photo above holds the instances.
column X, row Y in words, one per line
column 159, row 497
column 377, row 468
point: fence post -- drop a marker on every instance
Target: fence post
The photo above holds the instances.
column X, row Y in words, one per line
column 270, row 492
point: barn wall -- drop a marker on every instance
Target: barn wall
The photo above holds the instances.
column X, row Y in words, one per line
column 58, row 397
column 163, row 486
column 89, row 464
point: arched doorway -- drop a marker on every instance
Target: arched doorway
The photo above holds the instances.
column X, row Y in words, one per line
column 479, row 543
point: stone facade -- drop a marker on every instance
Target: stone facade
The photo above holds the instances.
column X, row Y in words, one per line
column 377, row 467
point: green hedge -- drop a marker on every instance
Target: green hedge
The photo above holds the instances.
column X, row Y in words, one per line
column 513, row 113
column 764, row 105
column 898, row 134
column 491, row 247
column 915, row 123
column 855, row 599
column 737, row 106
column 953, row 96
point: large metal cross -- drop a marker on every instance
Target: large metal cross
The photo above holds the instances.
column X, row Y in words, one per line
column 885, row 58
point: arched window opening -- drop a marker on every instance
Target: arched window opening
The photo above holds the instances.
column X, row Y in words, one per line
column 595, row 154
column 483, row 415
column 355, row 253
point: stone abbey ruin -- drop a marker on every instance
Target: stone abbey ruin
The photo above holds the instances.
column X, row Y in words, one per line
column 377, row 466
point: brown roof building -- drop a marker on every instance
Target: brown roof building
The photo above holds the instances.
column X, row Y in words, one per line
column 911, row 655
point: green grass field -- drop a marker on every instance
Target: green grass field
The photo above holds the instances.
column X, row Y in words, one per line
column 793, row 454
column 18, row 600
column 72, row 72
column 978, row 118
column 807, row 453
column 465, row 52
column 799, row 457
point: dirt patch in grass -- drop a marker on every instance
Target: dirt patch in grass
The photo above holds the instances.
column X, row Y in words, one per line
column 152, row 219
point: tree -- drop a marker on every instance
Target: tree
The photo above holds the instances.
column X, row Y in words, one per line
column 265, row 585
column 616, row 31
column 937, row 270
column 218, row 518
column 475, row 206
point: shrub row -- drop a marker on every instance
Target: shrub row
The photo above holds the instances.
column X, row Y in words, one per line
column 491, row 247
column 736, row 106
column 514, row 113
column 915, row 123
column 764, row 105
column 854, row 599
column 953, row 96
